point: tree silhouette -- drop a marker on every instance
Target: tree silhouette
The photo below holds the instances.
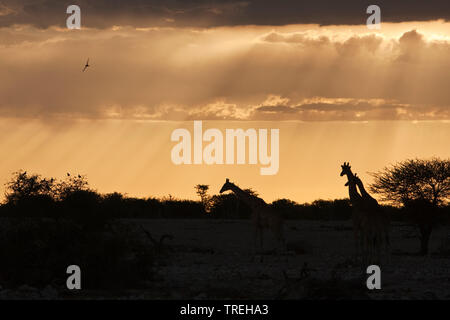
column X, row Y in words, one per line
column 420, row 186
column 70, row 185
column 202, row 192
column 24, row 186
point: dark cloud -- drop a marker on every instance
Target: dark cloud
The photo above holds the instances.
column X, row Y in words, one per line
column 180, row 74
column 210, row 13
column 351, row 110
column 276, row 109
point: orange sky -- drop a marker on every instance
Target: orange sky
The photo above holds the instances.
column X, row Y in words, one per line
column 337, row 93
column 133, row 157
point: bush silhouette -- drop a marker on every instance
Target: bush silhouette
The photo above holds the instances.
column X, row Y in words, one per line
column 422, row 187
column 84, row 207
column 48, row 225
column 37, row 252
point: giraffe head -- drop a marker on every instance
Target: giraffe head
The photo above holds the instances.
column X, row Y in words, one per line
column 226, row 186
column 345, row 168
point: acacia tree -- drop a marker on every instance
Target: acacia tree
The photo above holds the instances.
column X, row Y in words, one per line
column 24, row 186
column 70, row 185
column 421, row 186
column 202, row 192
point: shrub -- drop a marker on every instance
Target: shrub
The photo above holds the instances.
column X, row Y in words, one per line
column 37, row 252
column 84, row 208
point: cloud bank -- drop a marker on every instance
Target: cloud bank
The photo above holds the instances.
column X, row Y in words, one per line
column 213, row 13
column 224, row 73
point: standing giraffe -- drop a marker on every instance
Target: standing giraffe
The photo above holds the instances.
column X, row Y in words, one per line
column 357, row 207
column 377, row 223
column 369, row 222
column 263, row 216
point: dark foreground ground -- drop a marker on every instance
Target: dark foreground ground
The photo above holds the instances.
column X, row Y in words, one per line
column 213, row 259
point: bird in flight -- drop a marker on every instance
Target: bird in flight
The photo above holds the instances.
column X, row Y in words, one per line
column 87, row 65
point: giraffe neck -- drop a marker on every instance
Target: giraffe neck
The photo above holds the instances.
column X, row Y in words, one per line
column 363, row 191
column 247, row 198
column 352, row 191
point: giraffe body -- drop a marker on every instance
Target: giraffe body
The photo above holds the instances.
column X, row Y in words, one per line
column 376, row 224
column 263, row 216
column 370, row 223
column 357, row 210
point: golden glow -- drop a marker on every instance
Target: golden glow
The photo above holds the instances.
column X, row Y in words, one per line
column 133, row 157
column 143, row 83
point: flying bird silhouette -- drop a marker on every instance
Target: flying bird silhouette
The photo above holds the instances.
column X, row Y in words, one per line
column 87, row 65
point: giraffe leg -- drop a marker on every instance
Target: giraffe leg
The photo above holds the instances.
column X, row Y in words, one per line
column 277, row 231
column 261, row 239
column 375, row 246
column 255, row 242
column 365, row 249
column 362, row 243
column 282, row 245
column 387, row 246
column 357, row 243
column 372, row 245
column 379, row 247
column 282, row 240
column 362, row 261
column 261, row 247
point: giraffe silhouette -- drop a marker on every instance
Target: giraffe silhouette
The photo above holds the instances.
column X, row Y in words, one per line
column 377, row 223
column 371, row 225
column 263, row 216
column 357, row 207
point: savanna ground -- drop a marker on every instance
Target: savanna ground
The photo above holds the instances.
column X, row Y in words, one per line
column 212, row 259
